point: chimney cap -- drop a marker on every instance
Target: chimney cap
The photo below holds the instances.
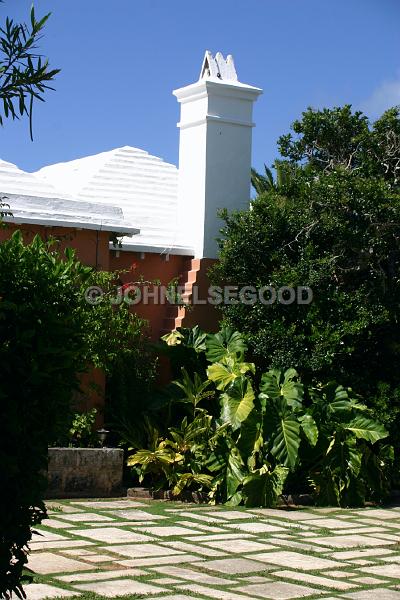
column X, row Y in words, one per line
column 217, row 67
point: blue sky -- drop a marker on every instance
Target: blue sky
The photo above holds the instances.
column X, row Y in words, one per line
column 120, row 61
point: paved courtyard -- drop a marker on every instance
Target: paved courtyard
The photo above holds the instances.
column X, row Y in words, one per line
column 162, row 550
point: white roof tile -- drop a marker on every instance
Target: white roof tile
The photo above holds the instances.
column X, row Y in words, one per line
column 34, row 200
column 144, row 186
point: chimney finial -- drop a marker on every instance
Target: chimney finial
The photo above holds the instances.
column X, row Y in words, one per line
column 218, row 67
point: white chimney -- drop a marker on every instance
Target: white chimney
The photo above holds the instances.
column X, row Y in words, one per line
column 214, row 151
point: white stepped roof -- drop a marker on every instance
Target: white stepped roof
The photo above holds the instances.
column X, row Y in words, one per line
column 34, row 200
column 144, row 186
column 15, row 181
column 61, row 212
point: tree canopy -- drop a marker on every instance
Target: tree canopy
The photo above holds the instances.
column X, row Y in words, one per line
column 332, row 225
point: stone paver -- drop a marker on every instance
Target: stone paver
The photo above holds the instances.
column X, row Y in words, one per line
column 57, row 508
column 159, row 560
column 310, row 546
column 170, row 531
column 292, row 515
column 209, row 592
column 295, row 560
column 172, row 597
column 113, row 535
column 257, row 527
column 350, row 541
column 241, row 546
column 47, row 562
column 390, row 570
column 361, row 553
column 56, row 545
column 47, row 536
column 119, row 587
column 277, row 590
column 203, row 527
column 192, row 575
column 377, row 513
column 136, row 515
column 100, row 575
column 231, row 515
column 39, row 591
column 111, row 504
column 367, row 580
column 56, row 523
column 140, row 550
column 190, row 548
column 315, row 579
column 233, row 566
column 375, row 594
column 86, row 517
column 331, row 523
column 219, row 536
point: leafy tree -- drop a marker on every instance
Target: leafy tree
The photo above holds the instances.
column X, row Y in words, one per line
column 24, row 75
column 323, row 140
column 326, row 138
column 335, row 227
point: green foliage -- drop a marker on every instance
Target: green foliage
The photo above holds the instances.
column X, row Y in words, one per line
column 263, row 432
column 333, row 226
column 81, row 433
column 49, row 335
column 285, row 171
column 328, row 139
column 24, row 76
column 185, row 349
column 41, row 352
column 117, row 344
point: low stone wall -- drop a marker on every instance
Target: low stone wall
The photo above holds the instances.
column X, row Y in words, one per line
column 84, row 472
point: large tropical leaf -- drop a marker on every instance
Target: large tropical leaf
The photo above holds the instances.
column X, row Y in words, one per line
column 225, row 372
column 225, row 342
column 285, row 441
column 237, row 402
column 367, row 429
column 263, row 487
column 235, row 473
column 250, row 440
column 189, row 337
column 276, row 384
column 309, row 428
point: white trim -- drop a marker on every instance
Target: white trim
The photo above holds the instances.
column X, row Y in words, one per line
column 51, row 222
column 161, row 250
column 215, row 118
column 60, row 212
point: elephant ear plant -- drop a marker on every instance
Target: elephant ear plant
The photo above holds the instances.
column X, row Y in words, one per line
column 259, row 428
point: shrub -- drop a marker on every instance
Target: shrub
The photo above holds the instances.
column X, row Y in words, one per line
column 266, row 427
column 41, row 352
column 119, row 345
column 49, row 335
column 81, row 434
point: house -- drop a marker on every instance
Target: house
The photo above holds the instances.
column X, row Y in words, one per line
column 165, row 218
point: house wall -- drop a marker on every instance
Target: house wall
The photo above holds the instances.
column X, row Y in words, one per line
column 150, row 267
column 92, row 247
